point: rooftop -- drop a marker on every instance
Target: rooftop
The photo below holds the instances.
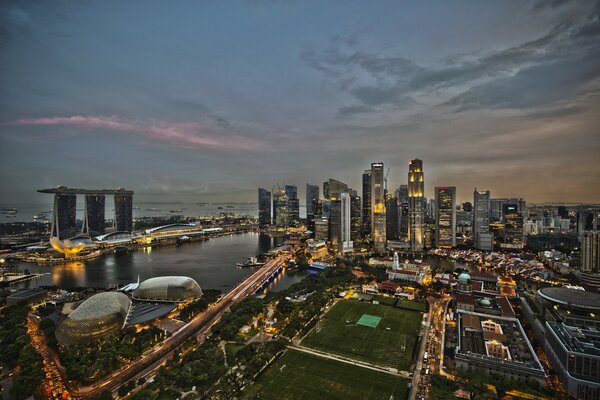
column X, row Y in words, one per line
column 473, row 338
column 577, row 340
column 571, row 297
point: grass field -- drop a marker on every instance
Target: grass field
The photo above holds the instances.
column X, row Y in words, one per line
column 381, row 345
column 300, row 376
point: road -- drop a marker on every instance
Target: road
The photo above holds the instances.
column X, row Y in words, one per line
column 431, row 352
column 53, row 386
column 197, row 329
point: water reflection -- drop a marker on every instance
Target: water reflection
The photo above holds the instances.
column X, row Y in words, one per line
column 212, row 263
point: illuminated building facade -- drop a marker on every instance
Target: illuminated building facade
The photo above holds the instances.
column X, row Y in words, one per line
column 366, row 203
column 355, row 217
column 124, row 212
column 93, row 217
column 403, row 212
column 445, row 216
column 496, row 206
column 280, row 208
column 378, row 215
column 481, row 220
column 513, row 226
column 101, row 315
column 416, row 212
column 264, row 207
column 335, row 224
column 590, row 258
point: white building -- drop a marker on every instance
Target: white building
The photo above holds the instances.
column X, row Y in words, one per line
column 347, row 244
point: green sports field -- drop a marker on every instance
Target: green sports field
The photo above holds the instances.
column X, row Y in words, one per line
column 391, row 342
column 300, row 376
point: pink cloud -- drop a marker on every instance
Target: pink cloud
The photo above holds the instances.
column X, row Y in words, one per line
column 205, row 134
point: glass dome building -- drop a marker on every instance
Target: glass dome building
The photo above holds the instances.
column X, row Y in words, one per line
column 100, row 315
column 176, row 289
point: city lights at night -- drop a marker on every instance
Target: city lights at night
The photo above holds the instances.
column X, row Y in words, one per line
column 257, row 199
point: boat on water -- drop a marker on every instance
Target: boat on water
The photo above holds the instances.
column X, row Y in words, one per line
column 251, row 262
column 9, row 211
column 40, row 217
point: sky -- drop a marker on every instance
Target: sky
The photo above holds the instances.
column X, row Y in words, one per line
column 207, row 101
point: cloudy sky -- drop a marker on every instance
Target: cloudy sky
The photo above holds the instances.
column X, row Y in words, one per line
column 206, row 101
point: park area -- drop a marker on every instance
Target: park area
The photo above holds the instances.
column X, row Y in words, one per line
column 380, row 334
column 298, row 376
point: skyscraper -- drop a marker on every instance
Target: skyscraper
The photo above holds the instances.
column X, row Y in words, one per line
column 513, row 226
column 366, row 201
column 291, row 191
column 355, row 217
column 64, row 216
column 482, row 238
column 124, row 212
column 293, row 204
column 93, row 215
column 590, row 251
column 346, row 222
column 264, row 207
column 312, row 194
column 403, row 212
column 378, row 206
column 391, row 217
column 416, row 212
column 333, row 188
column 445, row 216
column 280, row 208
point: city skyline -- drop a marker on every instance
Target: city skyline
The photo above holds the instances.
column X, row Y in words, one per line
column 169, row 103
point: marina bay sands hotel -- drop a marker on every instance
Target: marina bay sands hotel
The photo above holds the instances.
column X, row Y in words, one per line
column 64, row 219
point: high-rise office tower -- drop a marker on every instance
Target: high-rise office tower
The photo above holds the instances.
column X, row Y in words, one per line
column 513, row 226
column 496, row 206
column 403, row 212
column 64, row 215
column 378, row 206
column 445, row 216
column 587, row 220
column 93, row 215
column 333, row 188
column 391, row 217
column 312, row 194
column 124, row 212
column 280, row 208
column 293, row 204
column 346, row 223
column 482, row 238
column 335, row 224
column 264, row 207
column 590, row 251
column 366, row 208
column 355, row 217
column 416, row 212
column 294, row 211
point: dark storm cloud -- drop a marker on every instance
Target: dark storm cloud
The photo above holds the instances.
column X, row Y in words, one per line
column 211, row 99
column 543, row 70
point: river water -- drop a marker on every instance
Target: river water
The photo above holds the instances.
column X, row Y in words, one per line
column 211, row 263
